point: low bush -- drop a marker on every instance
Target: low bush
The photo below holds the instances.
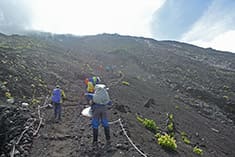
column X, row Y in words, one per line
column 149, row 124
column 125, row 83
column 35, row 101
column 166, row 141
column 8, row 95
column 226, row 97
column 185, row 138
column 170, row 124
column 170, row 127
column 197, row 150
column 170, row 116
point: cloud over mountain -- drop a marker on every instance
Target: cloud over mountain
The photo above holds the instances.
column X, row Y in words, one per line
column 216, row 26
column 15, row 16
column 176, row 17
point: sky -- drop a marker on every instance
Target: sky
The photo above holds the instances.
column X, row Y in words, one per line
column 206, row 23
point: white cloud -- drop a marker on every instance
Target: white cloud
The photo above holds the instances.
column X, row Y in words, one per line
column 214, row 29
column 15, row 16
column 85, row 17
column 224, row 41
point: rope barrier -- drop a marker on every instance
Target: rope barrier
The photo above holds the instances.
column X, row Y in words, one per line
column 113, row 122
column 125, row 133
column 39, row 116
column 21, row 136
column 28, row 127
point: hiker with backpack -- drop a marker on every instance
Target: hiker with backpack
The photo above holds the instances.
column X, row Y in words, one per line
column 100, row 101
column 57, row 98
column 90, row 87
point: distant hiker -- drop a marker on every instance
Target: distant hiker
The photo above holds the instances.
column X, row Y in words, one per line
column 90, row 87
column 57, row 97
column 99, row 113
column 107, row 68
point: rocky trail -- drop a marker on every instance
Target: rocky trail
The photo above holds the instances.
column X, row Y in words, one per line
column 72, row 136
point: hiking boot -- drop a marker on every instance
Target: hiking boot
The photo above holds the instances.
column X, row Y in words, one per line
column 107, row 133
column 57, row 121
column 95, row 135
column 95, row 145
column 108, row 146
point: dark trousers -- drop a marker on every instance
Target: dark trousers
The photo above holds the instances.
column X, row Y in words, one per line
column 57, row 110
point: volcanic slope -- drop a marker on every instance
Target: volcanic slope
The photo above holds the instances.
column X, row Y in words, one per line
column 196, row 85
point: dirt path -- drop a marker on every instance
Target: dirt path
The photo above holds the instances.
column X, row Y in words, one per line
column 58, row 139
column 73, row 135
column 70, row 137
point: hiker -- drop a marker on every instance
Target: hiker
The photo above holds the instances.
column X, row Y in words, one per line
column 100, row 101
column 90, row 87
column 57, row 97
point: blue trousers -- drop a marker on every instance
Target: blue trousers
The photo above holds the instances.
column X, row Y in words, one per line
column 99, row 115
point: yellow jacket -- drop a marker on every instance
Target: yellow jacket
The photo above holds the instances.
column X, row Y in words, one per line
column 90, row 87
column 63, row 96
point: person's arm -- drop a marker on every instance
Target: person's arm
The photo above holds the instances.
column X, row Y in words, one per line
column 51, row 96
column 89, row 94
column 109, row 103
column 63, row 95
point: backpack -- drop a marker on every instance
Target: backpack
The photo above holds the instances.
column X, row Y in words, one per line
column 56, row 95
column 101, row 96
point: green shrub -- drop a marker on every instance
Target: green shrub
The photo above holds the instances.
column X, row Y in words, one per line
column 171, row 117
column 149, row 124
column 170, row 124
column 185, row 138
column 125, row 83
column 8, row 95
column 197, row 150
column 158, row 135
column 226, row 87
column 35, row 101
column 170, row 127
column 166, row 141
column 226, row 97
column 141, row 120
column 183, row 133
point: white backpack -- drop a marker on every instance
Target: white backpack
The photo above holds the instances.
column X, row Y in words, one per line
column 101, row 95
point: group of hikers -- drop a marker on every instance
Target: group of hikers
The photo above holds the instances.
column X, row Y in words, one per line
column 97, row 97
